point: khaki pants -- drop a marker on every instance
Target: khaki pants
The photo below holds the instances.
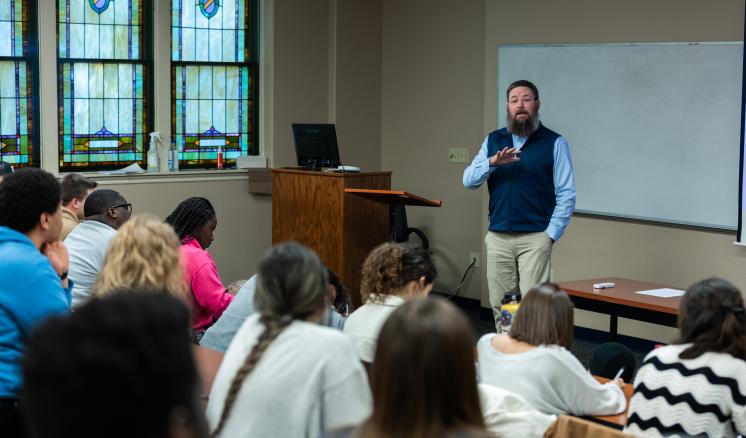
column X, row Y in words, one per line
column 516, row 261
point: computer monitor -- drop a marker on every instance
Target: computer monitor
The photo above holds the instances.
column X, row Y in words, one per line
column 316, row 145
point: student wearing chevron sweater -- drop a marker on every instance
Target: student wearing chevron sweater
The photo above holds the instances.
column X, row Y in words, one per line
column 697, row 385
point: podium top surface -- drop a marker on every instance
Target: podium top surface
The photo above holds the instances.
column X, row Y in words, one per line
column 395, row 196
column 304, row 171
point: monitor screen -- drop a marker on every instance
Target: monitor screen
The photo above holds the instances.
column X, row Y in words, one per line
column 316, row 145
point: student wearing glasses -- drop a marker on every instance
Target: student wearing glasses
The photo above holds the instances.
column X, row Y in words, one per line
column 105, row 211
column 528, row 171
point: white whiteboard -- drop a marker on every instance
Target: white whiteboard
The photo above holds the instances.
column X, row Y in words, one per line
column 654, row 129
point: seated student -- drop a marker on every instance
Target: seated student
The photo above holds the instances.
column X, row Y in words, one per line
column 33, row 275
column 120, row 366
column 534, row 361
column 144, row 256
column 697, row 385
column 424, row 381
column 392, row 273
column 75, row 190
column 194, row 221
column 105, row 211
column 219, row 335
column 339, row 302
column 285, row 375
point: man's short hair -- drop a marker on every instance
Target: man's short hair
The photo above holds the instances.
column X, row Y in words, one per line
column 522, row 83
column 25, row 195
column 100, row 200
column 76, row 186
column 117, row 367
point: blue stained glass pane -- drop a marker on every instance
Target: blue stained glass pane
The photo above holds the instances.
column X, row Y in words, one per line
column 195, row 37
column 212, row 116
column 88, row 32
column 16, row 113
column 102, row 114
column 13, row 28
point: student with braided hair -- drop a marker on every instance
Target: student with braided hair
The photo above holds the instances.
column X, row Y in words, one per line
column 392, row 273
column 194, row 221
column 284, row 374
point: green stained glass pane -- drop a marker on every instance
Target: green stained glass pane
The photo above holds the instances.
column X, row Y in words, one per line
column 102, row 115
column 13, row 25
column 208, row 37
column 99, row 30
column 16, row 113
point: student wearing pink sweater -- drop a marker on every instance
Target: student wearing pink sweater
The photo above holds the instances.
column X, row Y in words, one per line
column 194, row 221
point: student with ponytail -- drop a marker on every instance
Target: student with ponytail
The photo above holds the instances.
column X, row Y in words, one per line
column 194, row 221
column 392, row 274
column 697, row 385
column 284, row 374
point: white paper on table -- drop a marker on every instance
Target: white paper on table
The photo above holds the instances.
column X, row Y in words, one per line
column 662, row 293
column 132, row 168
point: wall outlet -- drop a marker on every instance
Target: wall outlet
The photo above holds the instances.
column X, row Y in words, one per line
column 472, row 256
column 458, row 155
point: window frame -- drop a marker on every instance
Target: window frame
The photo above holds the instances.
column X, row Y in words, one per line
column 31, row 58
column 252, row 63
column 146, row 60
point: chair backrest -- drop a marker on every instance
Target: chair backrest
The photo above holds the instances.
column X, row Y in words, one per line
column 567, row 425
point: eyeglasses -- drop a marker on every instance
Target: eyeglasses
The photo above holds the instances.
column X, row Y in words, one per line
column 525, row 101
column 126, row 206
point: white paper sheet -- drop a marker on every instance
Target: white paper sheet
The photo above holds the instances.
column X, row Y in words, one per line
column 132, row 168
column 662, row 293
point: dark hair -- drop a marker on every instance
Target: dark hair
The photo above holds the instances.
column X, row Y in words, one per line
column 189, row 216
column 118, row 367
column 545, row 317
column 423, row 377
column 712, row 319
column 342, row 297
column 25, row 195
column 290, row 284
column 76, row 186
column 391, row 266
column 522, row 83
column 5, row 168
column 100, row 201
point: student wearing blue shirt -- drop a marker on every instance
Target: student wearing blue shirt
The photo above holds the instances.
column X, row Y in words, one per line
column 529, row 175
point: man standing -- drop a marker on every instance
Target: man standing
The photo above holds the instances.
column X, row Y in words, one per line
column 75, row 189
column 33, row 274
column 529, row 175
column 105, row 211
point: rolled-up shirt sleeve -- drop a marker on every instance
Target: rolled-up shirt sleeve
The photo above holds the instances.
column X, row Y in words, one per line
column 479, row 170
column 564, row 190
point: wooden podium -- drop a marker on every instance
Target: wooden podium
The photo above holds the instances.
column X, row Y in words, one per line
column 312, row 208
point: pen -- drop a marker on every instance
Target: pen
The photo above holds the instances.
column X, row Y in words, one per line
column 619, row 373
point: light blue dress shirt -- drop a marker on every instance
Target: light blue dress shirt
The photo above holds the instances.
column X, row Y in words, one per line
column 564, row 181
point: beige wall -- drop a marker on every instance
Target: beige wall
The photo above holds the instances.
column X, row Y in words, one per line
column 308, row 77
column 439, row 79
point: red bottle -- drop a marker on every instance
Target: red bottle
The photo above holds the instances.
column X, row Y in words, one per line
column 220, row 157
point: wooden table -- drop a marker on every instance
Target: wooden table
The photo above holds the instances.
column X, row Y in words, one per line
column 619, row 420
column 622, row 301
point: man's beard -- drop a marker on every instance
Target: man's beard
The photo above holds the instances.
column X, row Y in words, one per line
column 522, row 128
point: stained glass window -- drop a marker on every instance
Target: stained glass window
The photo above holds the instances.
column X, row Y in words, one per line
column 17, row 69
column 102, row 83
column 213, row 79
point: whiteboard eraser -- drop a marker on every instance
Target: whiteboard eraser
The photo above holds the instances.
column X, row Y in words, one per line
column 603, row 285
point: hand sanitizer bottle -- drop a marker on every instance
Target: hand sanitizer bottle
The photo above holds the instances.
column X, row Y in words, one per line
column 155, row 137
column 173, row 157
